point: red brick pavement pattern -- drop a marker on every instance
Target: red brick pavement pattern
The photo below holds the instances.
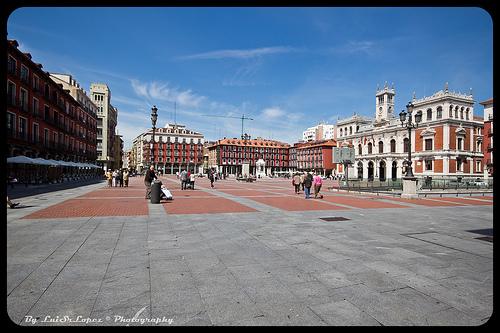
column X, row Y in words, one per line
column 92, row 207
column 204, row 206
column 290, row 203
column 360, row 202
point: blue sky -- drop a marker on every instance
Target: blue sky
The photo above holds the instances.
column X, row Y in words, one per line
column 287, row 68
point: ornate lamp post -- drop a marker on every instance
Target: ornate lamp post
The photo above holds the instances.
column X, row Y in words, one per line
column 410, row 124
column 154, row 117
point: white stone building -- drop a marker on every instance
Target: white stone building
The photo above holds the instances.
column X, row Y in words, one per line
column 107, row 119
column 447, row 143
column 319, row 132
column 176, row 148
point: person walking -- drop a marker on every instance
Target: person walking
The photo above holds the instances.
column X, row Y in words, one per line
column 211, row 177
column 183, row 177
column 301, row 177
column 191, row 180
column 317, row 182
column 109, row 177
column 296, row 182
column 125, row 177
column 148, row 179
column 114, row 178
column 308, row 180
column 120, row 177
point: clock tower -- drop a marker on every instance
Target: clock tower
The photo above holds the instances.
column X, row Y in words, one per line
column 384, row 103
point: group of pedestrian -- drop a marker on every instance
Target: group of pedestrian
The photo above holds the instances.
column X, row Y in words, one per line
column 306, row 181
column 187, row 179
column 117, row 178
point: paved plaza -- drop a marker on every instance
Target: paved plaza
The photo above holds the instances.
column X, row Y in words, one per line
column 248, row 254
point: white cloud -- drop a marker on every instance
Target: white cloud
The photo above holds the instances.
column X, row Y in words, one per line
column 240, row 54
column 273, row 112
column 163, row 92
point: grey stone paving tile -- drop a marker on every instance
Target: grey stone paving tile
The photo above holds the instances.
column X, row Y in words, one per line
column 343, row 313
column 291, row 275
column 290, row 314
column 399, row 307
column 451, row 316
column 310, row 293
column 179, row 301
column 269, row 291
column 17, row 273
column 335, row 279
column 122, row 295
column 200, row 318
column 249, row 272
column 18, row 306
column 375, row 280
column 230, row 307
column 217, row 285
column 123, row 315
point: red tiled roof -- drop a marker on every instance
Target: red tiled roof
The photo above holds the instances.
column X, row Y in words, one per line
column 488, row 101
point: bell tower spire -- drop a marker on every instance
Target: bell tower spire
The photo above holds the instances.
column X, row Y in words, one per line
column 384, row 103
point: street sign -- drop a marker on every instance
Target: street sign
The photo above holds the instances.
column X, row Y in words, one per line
column 336, row 155
column 347, row 154
column 343, row 155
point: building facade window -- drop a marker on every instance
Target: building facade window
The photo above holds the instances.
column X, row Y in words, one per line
column 439, row 113
column 369, row 148
column 24, row 74
column 406, row 143
column 11, row 124
column 380, row 147
column 428, row 165
column 393, row 146
column 428, row 144
column 23, row 128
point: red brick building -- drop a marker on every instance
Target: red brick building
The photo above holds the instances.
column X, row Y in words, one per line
column 176, row 148
column 43, row 119
column 488, row 136
column 316, row 155
column 228, row 155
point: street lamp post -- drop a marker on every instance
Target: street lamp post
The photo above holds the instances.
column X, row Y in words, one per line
column 409, row 124
column 409, row 181
column 154, row 117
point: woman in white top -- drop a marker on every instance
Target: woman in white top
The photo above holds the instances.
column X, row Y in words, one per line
column 191, row 180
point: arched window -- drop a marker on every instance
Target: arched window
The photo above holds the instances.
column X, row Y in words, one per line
column 429, row 114
column 357, row 128
column 360, row 149
column 462, row 112
column 380, row 147
column 456, row 112
column 451, row 111
column 369, row 148
column 360, row 170
column 406, row 143
column 350, row 130
column 439, row 112
column 341, row 132
column 393, row 146
column 467, row 114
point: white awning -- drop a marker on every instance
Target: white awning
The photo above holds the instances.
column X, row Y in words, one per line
column 20, row 160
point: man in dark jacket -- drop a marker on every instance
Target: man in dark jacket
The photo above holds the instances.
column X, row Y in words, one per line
column 148, row 179
column 308, row 180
